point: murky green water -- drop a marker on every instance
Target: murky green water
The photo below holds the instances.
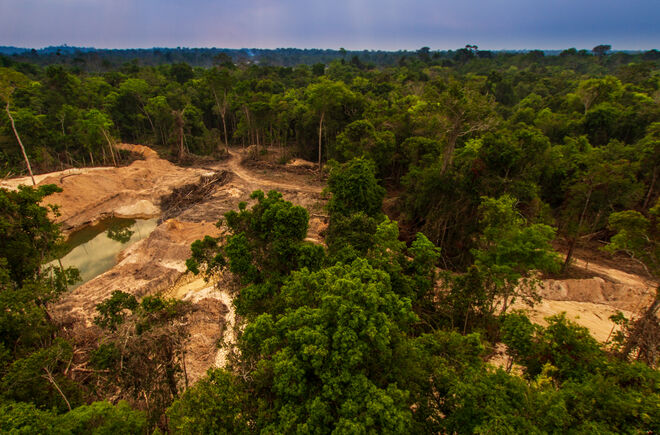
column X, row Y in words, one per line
column 94, row 249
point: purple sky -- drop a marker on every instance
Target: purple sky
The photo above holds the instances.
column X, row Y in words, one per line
column 353, row 24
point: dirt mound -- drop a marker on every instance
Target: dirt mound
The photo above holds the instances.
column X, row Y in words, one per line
column 300, row 167
column 92, row 194
column 590, row 300
column 628, row 297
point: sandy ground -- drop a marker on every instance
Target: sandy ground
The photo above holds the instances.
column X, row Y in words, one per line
column 156, row 264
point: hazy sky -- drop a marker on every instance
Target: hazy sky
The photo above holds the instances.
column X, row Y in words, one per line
column 353, row 24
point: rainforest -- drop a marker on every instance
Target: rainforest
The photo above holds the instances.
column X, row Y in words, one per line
column 456, row 241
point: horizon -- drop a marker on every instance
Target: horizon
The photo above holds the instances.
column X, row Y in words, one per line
column 527, row 49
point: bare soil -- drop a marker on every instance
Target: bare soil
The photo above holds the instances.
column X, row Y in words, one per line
column 156, row 265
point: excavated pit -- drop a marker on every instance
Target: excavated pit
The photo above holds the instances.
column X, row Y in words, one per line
column 187, row 203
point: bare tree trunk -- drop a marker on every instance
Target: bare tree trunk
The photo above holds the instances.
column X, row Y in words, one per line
column 112, row 148
column 151, row 123
column 320, row 133
column 224, row 127
column 222, row 110
column 181, row 148
column 179, row 122
column 650, row 192
column 569, row 255
column 465, row 323
column 18, row 138
column 249, row 125
column 449, row 150
column 51, row 379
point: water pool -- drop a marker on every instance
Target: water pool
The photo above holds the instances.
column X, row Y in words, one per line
column 93, row 250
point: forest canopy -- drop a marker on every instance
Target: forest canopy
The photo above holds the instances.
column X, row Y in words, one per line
column 455, row 180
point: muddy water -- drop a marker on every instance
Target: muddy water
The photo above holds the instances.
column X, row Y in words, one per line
column 93, row 250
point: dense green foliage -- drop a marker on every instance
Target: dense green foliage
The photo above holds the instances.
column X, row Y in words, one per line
column 39, row 394
column 490, row 155
column 349, row 347
column 571, row 136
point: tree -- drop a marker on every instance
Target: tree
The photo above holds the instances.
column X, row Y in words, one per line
column 29, row 236
column 93, row 128
column 181, row 72
column 265, row 244
column 163, row 118
column 596, row 90
column 330, row 361
column 325, row 98
column 32, row 357
column 98, row 418
column 360, row 139
column 459, row 110
column 355, row 189
column 638, row 236
column 598, row 186
column 9, row 81
column 216, row 404
column 423, row 54
column 509, row 249
column 567, row 347
column 601, row 50
column 137, row 93
column 220, row 82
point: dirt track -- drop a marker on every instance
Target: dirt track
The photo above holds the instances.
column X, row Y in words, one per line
column 259, row 180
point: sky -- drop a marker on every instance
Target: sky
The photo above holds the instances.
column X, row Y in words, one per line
column 352, row 24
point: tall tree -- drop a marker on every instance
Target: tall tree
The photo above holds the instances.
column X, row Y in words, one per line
column 509, row 250
column 220, row 82
column 639, row 237
column 9, row 81
column 601, row 50
column 459, row 110
column 325, row 98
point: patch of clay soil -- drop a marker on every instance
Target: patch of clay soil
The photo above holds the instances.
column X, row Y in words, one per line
column 601, row 291
column 156, row 264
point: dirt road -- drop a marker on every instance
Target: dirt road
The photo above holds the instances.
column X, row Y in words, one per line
column 260, row 181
